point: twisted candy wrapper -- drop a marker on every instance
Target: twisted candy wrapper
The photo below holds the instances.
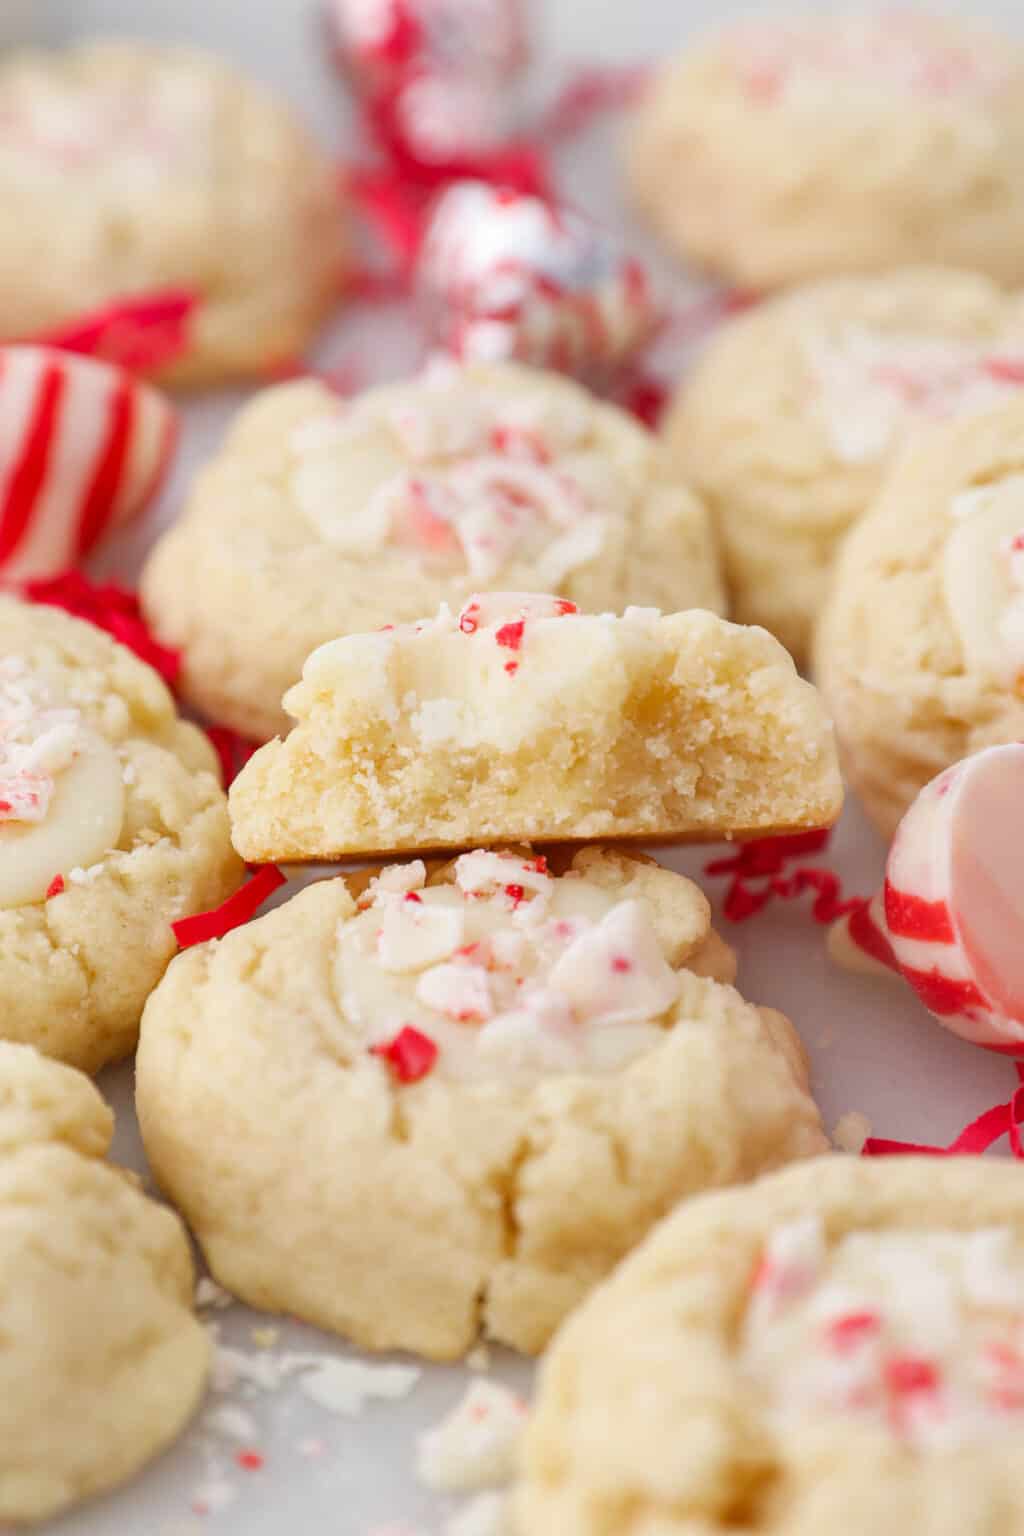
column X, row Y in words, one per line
column 511, row 276
column 84, row 447
column 950, row 916
column 378, row 42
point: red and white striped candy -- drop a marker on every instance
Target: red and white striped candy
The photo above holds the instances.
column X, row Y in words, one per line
column 511, row 276
column 83, row 448
column 950, row 916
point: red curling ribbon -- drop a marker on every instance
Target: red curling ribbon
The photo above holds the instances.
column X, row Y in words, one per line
column 767, row 859
column 977, row 1137
column 238, row 909
column 112, row 608
column 143, row 333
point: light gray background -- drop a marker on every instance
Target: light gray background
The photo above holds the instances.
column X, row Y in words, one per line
column 873, row 1048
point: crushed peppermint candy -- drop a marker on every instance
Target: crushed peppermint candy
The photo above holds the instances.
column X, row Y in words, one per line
column 464, row 480
column 917, row 1332
column 474, row 1446
column 38, row 741
column 817, row 60
column 503, row 967
column 871, row 388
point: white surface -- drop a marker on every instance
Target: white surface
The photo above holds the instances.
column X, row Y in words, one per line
column 874, row 1049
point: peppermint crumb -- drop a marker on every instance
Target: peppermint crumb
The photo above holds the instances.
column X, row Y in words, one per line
column 80, row 876
column 851, row 1131
column 231, row 1422
column 484, row 1515
column 210, row 1294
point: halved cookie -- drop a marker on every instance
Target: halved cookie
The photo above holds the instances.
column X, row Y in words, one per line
column 521, row 719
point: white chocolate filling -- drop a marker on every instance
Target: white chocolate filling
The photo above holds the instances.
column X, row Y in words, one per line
column 61, row 789
column 461, row 479
column 918, row 1334
column 508, row 969
column 983, row 578
column 872, row 387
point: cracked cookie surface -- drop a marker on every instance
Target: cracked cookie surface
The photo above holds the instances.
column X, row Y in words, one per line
column 113, row 824
column 103, row 1361
column 446, row 1101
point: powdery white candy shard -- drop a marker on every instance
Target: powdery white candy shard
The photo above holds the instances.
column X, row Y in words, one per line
column 459, row 477
column 916, row 1332
column 61, row 788
column 414, row 935
column 983, row 577
column 616, row 973
column 506, row 968
column 84, row 449
column 950, row 917
column 474, row 1446
column 873, row 387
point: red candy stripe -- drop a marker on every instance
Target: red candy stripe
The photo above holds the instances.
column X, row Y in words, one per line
column 942, row 995
column 866, row 934
column 101, row 495
column 238, row 909
column 29, row 469
column 912, row 917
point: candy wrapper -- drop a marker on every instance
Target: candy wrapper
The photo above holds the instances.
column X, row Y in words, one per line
column 512, row 276
column 84, row 448
column 950, row 916
column 144, row 333
column 378, row 42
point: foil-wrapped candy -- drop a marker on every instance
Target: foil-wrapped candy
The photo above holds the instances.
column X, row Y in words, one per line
column 510, row 276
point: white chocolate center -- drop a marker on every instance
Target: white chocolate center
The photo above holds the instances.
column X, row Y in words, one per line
column 61, row 789
column 917, row 1334
column 506, row 969
column 463, row 480
column 872, row 387
column 983, row 577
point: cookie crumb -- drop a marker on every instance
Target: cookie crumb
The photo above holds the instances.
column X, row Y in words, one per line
column 851, row 1132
